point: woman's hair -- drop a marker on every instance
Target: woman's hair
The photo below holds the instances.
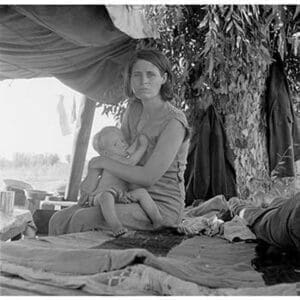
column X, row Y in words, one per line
column 161, row 62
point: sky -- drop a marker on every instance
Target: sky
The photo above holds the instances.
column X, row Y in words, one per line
column 29, row 120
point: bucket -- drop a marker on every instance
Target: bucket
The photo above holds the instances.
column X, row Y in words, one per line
column 7, row 201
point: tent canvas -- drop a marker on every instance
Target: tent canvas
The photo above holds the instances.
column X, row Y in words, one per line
column 78, row 44
column 84, row 46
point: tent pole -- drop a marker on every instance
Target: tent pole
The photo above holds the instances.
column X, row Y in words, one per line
column 80, row 145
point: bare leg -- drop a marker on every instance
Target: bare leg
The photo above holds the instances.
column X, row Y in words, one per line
column 90, row 182
column 106, row 201
column 148, row 205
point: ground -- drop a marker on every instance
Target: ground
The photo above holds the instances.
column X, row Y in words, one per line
column 46, row 178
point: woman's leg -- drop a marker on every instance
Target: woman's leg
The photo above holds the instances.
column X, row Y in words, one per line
column 59, row 222
column 131, row 216
column 78, row 219
column 86, row 219
column 148, row 205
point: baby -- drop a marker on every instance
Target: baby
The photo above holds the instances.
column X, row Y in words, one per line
column 108, row 189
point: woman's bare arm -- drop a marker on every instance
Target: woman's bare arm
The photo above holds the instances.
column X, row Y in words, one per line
column 158, row 163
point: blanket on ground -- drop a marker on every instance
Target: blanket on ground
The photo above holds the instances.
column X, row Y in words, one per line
column 197, row 266
column 147, row 263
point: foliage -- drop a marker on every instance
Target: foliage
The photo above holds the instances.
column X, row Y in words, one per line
column 115, row 110
column 283, row 31
column 220, row 56
column 197, row 38
column 30, row 159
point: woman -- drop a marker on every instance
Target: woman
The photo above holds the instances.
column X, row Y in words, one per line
column 149, row 86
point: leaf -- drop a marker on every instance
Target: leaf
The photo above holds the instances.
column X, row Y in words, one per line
column 246, row 17
column 238, row 40
column 228, row 16
column 211, row 66
column 203, row 22
column 238, row 27
column 297, row 12
column 229, row 26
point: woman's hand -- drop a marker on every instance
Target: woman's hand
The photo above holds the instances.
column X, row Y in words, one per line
column 83, row 200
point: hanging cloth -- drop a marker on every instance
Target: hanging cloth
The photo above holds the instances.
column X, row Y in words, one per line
column 63, row 119
column 73, row 112
column 210, row 168
column 283, row 136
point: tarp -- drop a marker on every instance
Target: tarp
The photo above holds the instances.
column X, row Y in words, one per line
column 77, row 44
column 198, row 266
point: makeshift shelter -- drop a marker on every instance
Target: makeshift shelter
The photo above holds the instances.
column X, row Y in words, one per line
column 82, row 46
column 85, row 47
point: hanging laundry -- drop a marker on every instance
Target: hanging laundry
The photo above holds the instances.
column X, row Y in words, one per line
column 63, row 119
column 210, row 167
column 73, row 112
column 283, row 134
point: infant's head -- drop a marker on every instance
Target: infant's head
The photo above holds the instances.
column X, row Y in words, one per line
column 110, row 140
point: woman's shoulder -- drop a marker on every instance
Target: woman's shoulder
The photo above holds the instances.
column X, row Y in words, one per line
column 176, row 113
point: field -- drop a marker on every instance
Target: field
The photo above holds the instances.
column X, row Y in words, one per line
column 42, row 177
column 49, row 177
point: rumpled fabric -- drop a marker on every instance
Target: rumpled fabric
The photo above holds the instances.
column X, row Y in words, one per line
column 67, row 263
column 198, row 266
column 236, row 230
column 203, row 219
column 209, row 226
column 77, row 44
column 20, row 217
column 210, row 164
column 62, row 116
column 283, row 131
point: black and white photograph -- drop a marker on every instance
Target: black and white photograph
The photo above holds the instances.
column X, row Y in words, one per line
column 150, row 149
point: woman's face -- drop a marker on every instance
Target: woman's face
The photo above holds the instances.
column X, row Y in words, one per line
column 146, row 80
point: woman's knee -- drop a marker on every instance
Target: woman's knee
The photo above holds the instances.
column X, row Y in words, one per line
column 77, row 222
column 85, row 219
column 55, row 224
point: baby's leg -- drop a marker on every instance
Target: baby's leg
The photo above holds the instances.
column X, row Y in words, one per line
column 148, row 205
column 90, row 182
column 106, row 201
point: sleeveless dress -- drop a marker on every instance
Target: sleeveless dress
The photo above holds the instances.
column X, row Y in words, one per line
column 168, row 192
